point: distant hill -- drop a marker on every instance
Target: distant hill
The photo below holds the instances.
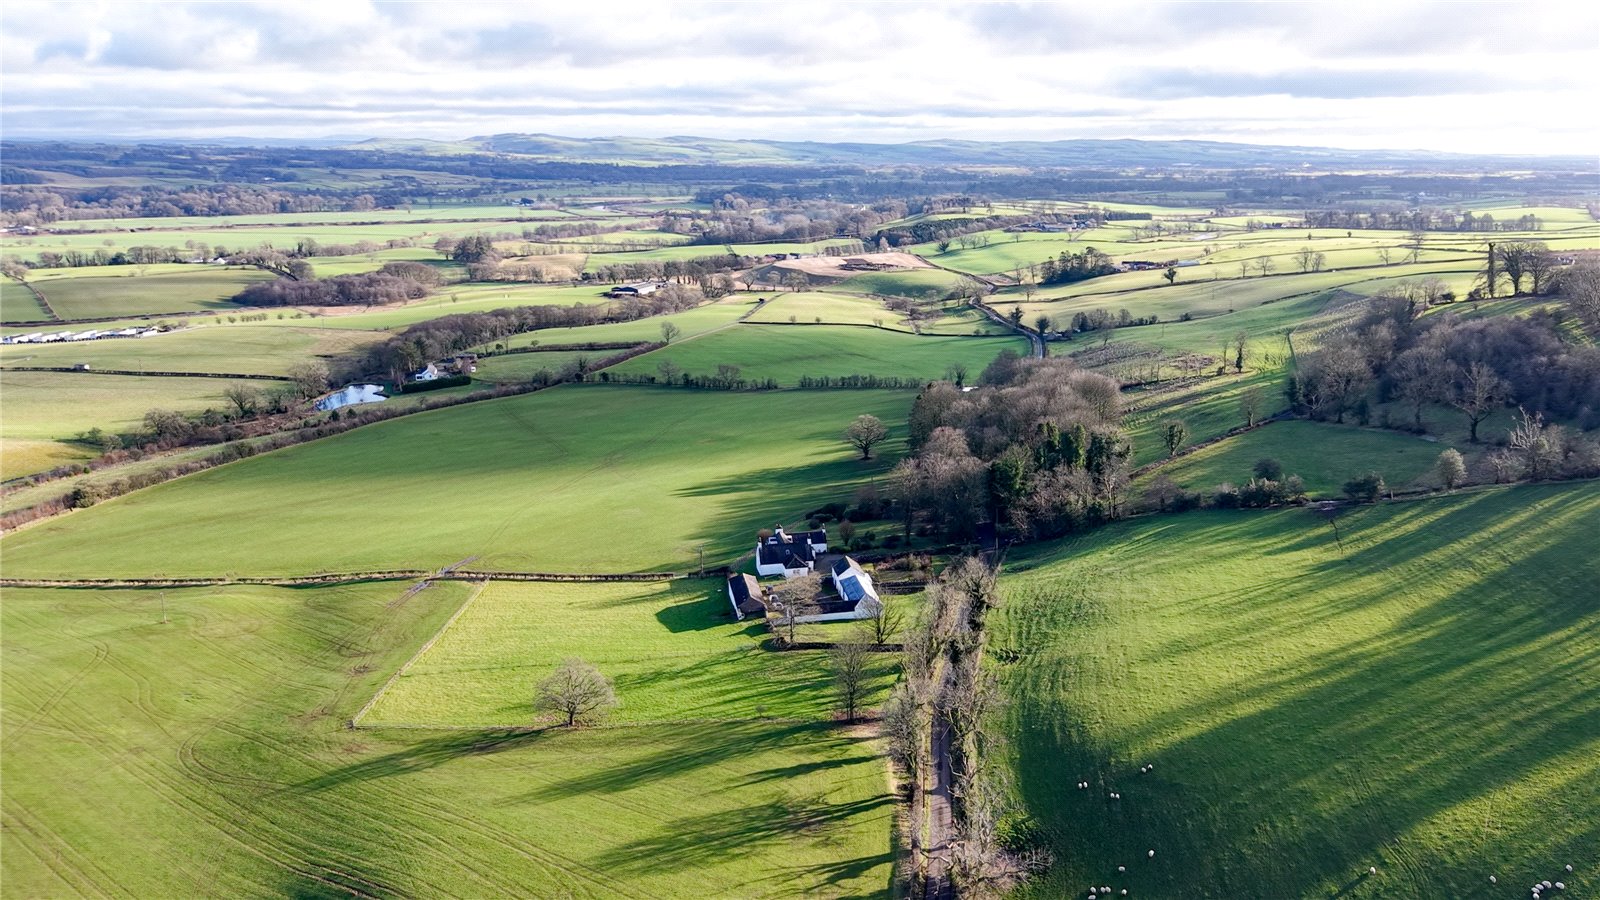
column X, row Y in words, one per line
column 1120, row 154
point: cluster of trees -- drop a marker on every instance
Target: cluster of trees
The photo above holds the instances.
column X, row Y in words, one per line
column 1517, row 263
column 1070, row 267
column 1038, row 447
column 447, row 335
column 394, row 283
column 694, row 269
column 743, row 216
column 1420, row 219
column 1478, row 366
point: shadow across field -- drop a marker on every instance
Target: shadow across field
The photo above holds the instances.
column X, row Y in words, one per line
column 426, row 754
column 1286, row 778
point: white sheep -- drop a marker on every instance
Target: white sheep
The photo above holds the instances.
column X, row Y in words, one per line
column 1121, row 869
column 1493, row 880
column 1124, row 892
column 1560, row 886
column 1546, row 885
column 1151, row 854
column 1372, row 870
column 1569, row 867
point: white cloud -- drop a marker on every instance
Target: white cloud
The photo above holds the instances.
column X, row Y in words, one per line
column 1488, row 77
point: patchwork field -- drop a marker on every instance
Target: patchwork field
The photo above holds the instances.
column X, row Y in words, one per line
column 787, row 352
column 1323, row 454
column 249, row 349
column 18, row 304
column 1422, row 702
column 218, row 738
column 583, row 478
column 674, row 650
column 45, row 409
column 121, row 291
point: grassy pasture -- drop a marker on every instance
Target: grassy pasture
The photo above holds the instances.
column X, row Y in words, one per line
column 218, row 742
column 691, row 322
column 505, row 213
column 1209, row 407
column 1422, row 703
column 120, row 291
column 695, row 251
column 253, row 349
column 832, row 309
column 917, row 284
column 787, row 352
column 582, row 478
column 674, row 650
column 43, row 410
column 518, row 367
column 18, row 304
column 1324, row 454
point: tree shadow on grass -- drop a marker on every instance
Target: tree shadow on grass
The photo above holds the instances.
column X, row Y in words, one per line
column 425, row 754
column 700, row 840
column 1285, row 783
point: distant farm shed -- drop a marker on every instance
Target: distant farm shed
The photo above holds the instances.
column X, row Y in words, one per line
column 744, row 593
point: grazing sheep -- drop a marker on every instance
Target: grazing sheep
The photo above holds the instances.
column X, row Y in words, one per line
column 1372, row 870
column 1124, row 892
column 1560, row 886
column 1546, row 885
column 1569, row 867
column 1493, row 880
column 1151, row 854
column 1121, row 869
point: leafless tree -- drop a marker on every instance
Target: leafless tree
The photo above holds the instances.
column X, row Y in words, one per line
column 670, row 332
column 1580, row 283
column 309, row 378
column 1265, row 265
column 669, row 371
column 1250, row 403
column 850, row 660
column 886, row 625
column 1478, row 391
column 1241, row 350
column 865, row 433
column 244, row 399
column 577, row 692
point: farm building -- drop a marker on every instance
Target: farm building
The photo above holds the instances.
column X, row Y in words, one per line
column 844, row 594
column 429, row 372
column 637, row 289
column 744, row 593
column 790, row 555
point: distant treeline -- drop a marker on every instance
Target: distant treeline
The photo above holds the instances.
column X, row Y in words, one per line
column 1425, row 219
column 396, row 282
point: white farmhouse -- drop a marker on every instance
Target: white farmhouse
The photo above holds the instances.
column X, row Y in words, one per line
column 791, row 556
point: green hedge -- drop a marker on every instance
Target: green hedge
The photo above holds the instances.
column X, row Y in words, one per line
column 449, row 381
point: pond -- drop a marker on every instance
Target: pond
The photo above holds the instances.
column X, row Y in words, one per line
column 352, row 395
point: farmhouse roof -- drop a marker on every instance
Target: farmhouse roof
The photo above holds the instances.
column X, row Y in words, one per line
column 844, row 564
column 772, row 551
column 746, row 593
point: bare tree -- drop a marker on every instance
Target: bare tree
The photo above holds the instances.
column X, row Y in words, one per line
column 1580, row 283
column 244, row 399
column 1384, row 255
column 1478, row 391
column 1241, row 350
column 849, row 659
column 310, row 378
column 865, row 433
column 1418, row 379
column 576, row 691
column 1265, row 265
column 670, row 332
column 1306, row 258
column 1250, row 403
column 669, row 371
column 886, row 625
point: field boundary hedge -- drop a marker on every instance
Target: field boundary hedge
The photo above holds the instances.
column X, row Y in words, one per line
column 332, row 578
column 256, row 377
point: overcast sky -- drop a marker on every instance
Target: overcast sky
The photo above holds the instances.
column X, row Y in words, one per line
column 1472, row 77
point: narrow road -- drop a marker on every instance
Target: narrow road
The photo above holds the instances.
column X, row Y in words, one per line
column 940, row 819
column 1034, row 340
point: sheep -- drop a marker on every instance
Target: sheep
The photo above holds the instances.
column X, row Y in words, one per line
column 1493, row 880
column 1569, row 868
column 1124, row 892
column 1560, row 886
column 1121, row 869
column 1546, row 885
column 1372, row 870
column 1151, row 855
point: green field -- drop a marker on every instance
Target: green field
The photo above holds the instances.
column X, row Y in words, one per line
column 1422, row 702
column 918, row 284
column 18, row 304
column 44, row 410
column 787, row 352
column 208, row 756
column 832, row 309
column 581, row 478
column 89, row 293
column 253, row 349
column 674, row 650
column 1323, row 454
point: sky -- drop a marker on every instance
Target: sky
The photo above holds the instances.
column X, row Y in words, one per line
column 1521, row 77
